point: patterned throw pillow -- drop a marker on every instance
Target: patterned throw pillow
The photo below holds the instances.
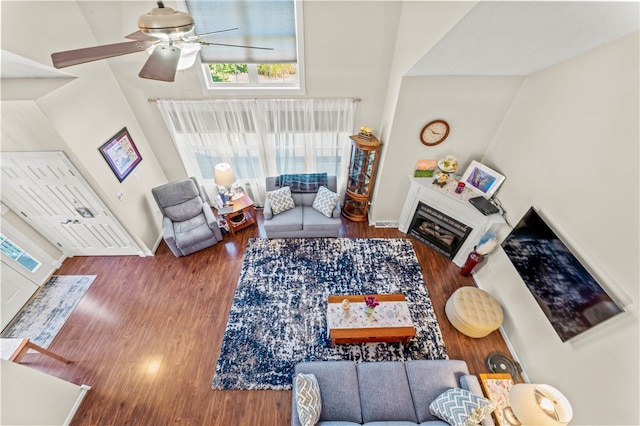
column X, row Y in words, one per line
column 308, row 400
column 459, row 407
column 325, row 201
column 280, row 200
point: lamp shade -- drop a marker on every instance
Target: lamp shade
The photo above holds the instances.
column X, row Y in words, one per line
column 535, row 404
column 223, row 174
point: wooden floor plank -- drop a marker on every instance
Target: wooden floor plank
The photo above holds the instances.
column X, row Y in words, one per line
column 147, row 334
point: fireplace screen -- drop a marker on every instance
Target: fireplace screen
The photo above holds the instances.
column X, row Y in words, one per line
column 438, row 231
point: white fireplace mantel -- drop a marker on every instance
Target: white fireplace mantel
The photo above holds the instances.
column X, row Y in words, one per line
column 457, row 206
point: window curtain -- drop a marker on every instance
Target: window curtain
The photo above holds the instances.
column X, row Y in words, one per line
column 261, row 138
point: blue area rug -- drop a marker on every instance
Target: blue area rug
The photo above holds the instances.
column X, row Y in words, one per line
column 46, row 313
column 278, row 317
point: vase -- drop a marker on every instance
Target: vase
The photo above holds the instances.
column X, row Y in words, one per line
column 472, row 260
column 369, row 311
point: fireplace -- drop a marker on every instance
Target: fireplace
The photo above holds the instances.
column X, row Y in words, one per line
column 438, row 231
column 454, row 207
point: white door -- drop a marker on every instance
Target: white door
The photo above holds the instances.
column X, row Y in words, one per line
column 51, row 195
column 15, row 290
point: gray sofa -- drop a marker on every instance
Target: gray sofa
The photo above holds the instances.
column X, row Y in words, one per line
column 384, row 393
column 303, row 221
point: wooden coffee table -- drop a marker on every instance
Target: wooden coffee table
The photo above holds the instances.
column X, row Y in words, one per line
column 391, row 321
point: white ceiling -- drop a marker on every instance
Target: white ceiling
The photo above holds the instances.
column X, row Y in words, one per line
column 520, row 37
column 494, row 38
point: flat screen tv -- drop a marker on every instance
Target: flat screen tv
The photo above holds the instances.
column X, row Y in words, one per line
column 568, row 294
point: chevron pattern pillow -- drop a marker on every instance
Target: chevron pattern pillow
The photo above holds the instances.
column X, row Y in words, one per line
column 325, row 201
column 308, row 400
column 280, row 200
column 459, row 407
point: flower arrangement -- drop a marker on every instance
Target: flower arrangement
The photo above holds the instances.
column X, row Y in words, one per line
column 371, row 302
column 487, row 244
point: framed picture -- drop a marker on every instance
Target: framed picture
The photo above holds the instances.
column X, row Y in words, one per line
column 481, row 179
column 497, row 387
column 425, row 168
column 121, row 154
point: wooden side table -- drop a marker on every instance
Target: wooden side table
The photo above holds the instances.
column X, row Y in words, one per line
column 243, row 213
column 15, row 349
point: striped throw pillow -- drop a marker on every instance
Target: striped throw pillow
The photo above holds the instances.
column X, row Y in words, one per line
column 280, row 200
column 325, row 201
column 308, row 400
column 459, row 407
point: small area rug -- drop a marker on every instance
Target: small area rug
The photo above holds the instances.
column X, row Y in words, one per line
column 46, row 313
column 278, row 316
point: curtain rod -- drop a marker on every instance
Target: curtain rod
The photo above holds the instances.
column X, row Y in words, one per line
column 155, row 100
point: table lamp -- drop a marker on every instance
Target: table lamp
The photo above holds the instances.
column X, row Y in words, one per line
column 535, row 404
column 223, row 175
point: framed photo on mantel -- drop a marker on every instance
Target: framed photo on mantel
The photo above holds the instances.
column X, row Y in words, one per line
column 121, row 154
column 481, row 179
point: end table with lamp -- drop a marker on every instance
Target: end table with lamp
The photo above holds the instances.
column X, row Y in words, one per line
column 224, row 177
column 240, row 214
column 525, row 403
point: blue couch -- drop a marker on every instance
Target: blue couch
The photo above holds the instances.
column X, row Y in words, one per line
column 384, row 393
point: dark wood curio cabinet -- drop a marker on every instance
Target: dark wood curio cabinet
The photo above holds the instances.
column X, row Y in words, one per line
column 362, row 168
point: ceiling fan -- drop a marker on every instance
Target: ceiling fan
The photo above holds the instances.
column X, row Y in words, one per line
column 165, row 32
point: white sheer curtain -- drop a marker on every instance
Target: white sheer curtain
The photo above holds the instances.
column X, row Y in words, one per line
column 261, row 138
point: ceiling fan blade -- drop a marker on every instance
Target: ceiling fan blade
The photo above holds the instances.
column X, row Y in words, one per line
column 139, row 35
column 204, row 43
column 90, row 54
column 211, row 33
column 162, row 64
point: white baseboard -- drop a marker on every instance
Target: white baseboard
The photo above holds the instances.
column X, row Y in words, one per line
column 523, row 373
column 156, row 245
column 386, row 224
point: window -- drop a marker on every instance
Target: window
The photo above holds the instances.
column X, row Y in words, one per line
column 272, row 24
column 246, row 75
column 9, row 248
column 261, row 137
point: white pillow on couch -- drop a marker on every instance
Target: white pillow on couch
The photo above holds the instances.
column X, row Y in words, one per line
column 308, row 400
column 325, row 201
column 459, row 407
column 280, row 200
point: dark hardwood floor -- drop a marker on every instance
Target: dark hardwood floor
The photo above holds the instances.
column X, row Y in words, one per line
column 146, row 336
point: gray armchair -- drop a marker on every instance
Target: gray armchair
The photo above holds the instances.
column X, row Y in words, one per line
column 188, row 224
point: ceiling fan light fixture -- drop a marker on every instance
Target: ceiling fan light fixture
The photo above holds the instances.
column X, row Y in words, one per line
column 188, row 55
column 165, row 23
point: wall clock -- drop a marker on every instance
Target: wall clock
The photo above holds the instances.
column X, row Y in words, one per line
column 434, row 132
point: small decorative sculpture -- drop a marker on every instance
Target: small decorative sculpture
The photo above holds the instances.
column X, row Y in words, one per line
column 345, row 306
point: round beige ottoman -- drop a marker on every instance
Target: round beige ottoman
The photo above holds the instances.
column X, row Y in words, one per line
column 473, row 312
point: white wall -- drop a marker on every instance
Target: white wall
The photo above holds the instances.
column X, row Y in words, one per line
column 569, row 147
column 474, row 108
column 79, row 116
column 347, row 48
